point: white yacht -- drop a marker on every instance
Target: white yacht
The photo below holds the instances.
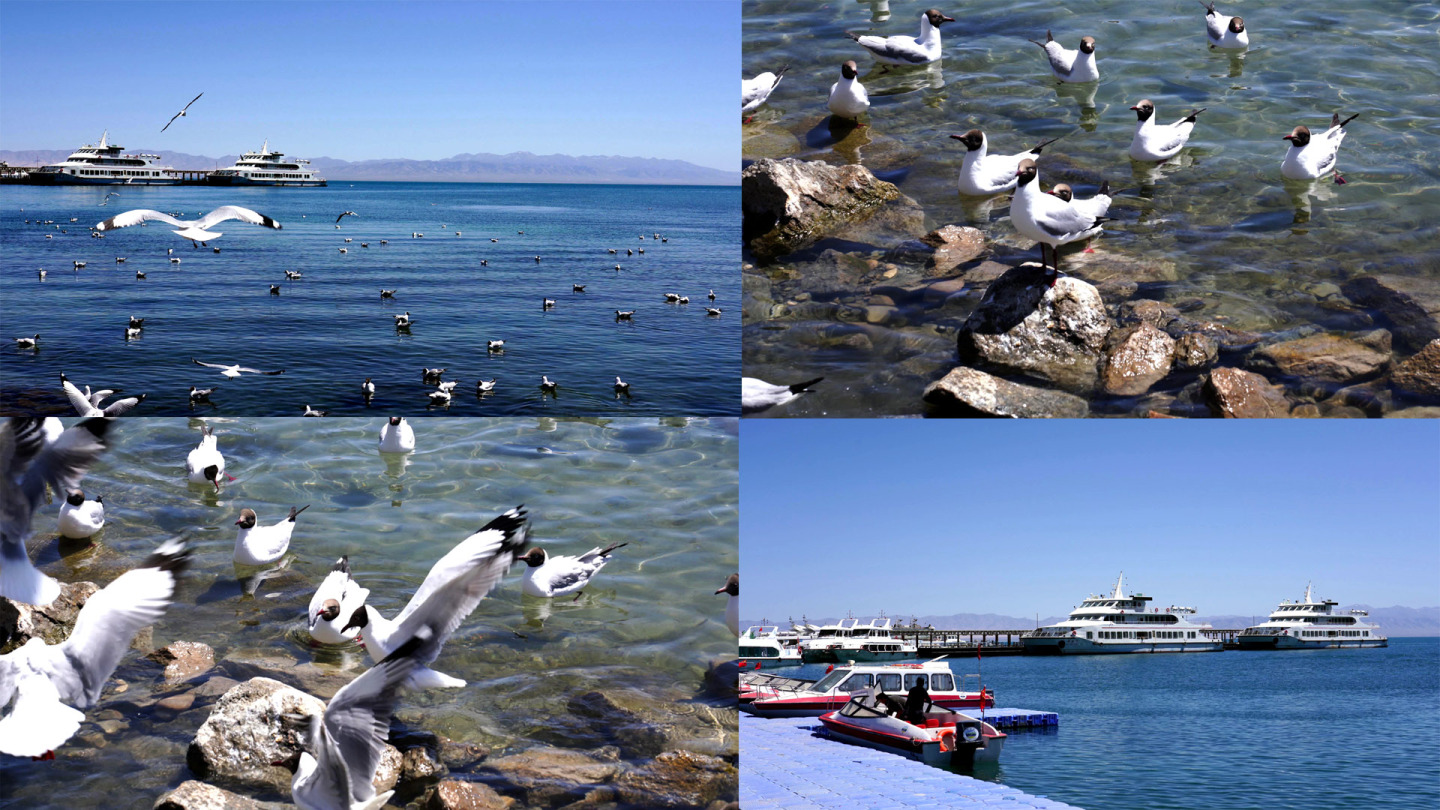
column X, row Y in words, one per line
column 1122, row 624
column 266, row 168
column 872, row 642
column 1311, row 625
column 103, row 164
column 819, row 649
column 768, row 644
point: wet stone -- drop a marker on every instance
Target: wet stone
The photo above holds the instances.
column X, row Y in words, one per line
column 1145, row 310
column 419, row 763
column 1324, row 358
column 970, row 392
column 951, row 246
column 546, row 775
column 789, row 204
column 1410, row 304
column 454, row 794
column 20, row 622
column 177, row 703
column 679, row 779
column 183, row 660
column 1419, row 374
column 193, row 795
column 1136, row 358
column 1196, row 351
column 1233, row 393
column 244, row 734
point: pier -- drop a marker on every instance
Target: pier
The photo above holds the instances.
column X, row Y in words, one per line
column 786, row 764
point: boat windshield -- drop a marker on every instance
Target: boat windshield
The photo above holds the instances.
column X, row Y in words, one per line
column 828, row 682
column 859, row 707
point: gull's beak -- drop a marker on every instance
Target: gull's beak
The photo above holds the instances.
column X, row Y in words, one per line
column 1137, row 109
column 314, row 620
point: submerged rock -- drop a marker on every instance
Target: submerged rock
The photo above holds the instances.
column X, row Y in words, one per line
column 1410, row 304
column 1136, row 358
column 1323, row 358
column 788, row 204
column 454, row 794
column 20, row 622
column 193, row 795
column 952, row 246
column 1236, row 394
column 183, row 660
column 679, row 779
column 968, row 392
column 548, row 776
column 1419, row 375
column 1023, row 324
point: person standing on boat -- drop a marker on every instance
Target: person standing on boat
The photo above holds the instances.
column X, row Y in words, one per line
column 891, row 705
column 917, row 702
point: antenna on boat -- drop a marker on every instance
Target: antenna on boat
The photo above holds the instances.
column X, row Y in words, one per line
column 1307, row 591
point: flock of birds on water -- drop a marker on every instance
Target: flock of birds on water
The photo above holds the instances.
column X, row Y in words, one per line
column 199, row 232
column 45, row 688
column 1055, row 217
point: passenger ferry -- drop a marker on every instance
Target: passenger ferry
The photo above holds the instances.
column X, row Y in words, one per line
column 872, row 642
column 1311, row 625
column 266, row 168
column 767, row 644
column 104, row 164
column 1121, row 624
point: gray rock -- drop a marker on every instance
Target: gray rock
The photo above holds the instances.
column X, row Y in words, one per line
column 1056, row 333
column 679, row 779
column 193, row 795
column 969, row 392
column 1136, row 358
column 1195, row 351
column 952, row 245
column 1144, row 310
column 183, row 660
column 244, row 734
column 1322, row 358
column 1410, row 304
column 547, row 776
column 788, row 205
column 636, row 738
column 1228, row 338
column 51, row 624
column 1419, row 375
column 1236, row 394
column 454, row 794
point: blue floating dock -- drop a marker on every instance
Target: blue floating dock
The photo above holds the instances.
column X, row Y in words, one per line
column 1017, row 719
column 785, row 765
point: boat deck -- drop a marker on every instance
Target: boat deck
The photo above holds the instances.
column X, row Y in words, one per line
column 786, row 765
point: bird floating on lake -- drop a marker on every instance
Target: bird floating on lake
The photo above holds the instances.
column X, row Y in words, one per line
column 1308, row 158
column 1076, row 67
column 1225, row 33
column 756, row 395
column 903, row 50
column 1156, row 142
column 235, row 370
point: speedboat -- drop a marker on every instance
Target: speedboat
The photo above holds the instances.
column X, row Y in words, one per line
column 767, row 695
column 945, row 738
column 1311, row 625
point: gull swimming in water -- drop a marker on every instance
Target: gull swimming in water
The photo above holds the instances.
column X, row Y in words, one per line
column 180, row 114
column 549, row 576
column 754, row 92
column 309, row 411
column 205, row 463
column 903, row 50
column 81, row 519
column 1156, row 142
column 756, row 395
column 732, row 602
column 396, row 436
column 1076, row 67
column 235, row 370
column 262, row 545
column 196, row 230
column 1307, row 159
column 1225, row 33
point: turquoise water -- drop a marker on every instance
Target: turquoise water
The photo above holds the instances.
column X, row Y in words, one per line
column 330, row 330
column 643, row 633
column 1292, row 730
column 1218, row 232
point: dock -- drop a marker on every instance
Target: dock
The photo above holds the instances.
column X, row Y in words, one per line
column 785, row 764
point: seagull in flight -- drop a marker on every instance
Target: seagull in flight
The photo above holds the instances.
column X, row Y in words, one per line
column 235, row 370
column 345, row 214
column 180, row 114
column 195, row 230
column 88, row 403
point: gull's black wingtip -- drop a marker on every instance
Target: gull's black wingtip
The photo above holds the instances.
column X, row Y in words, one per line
column 173, row 556
column 801, row 386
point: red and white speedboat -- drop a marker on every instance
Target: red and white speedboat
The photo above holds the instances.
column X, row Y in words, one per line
column 945, row 738
column 772, row 696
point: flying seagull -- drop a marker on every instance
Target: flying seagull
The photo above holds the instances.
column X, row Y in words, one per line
column 235, row 370
column 196, row 230
column 88, row 403
column 345, row 214
column 180, row 114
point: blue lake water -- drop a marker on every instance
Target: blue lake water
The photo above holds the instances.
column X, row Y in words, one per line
column 331, row 329
column 1292, row 730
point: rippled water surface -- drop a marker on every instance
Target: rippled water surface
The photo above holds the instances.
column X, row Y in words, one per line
column 331, row 329
column 1274, row 730
column 1217, row 231
column 643, row 632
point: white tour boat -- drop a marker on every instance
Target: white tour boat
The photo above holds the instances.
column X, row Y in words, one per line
column 1122, row 624
column 1311, row 625
column 768, row 645
column 945, row 738
column 266, row 168
column 104, row 164
column 775, row 696
column 852, row 641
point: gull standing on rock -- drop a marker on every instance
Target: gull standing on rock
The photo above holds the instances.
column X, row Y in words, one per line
column 756, row 395
column 337, row 598
column 396, row 436
column 262, row 545
column 1307, row 158
column 548, row 577
column 983, row 174
column 848, row 100
column 205, row 464
column 1155, row 142
column 1225, row 33
column 81, row 519
column 1075, row 67
column 1046, row 218
column 903, row 50
column 754, row 92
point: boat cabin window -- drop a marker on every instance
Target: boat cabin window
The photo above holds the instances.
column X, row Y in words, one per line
column 890, row 681
column 941, row 683
column 828, row 682
column 911, row 679
column 857, row 682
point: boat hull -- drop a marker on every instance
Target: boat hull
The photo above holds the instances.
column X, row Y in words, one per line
column 898, row 737
column 227, row 180
column 1292, row 643
column 824, row 704
column 1081, row 646
column 63, row 179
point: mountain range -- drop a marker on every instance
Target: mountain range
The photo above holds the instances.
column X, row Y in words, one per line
column 516, row 167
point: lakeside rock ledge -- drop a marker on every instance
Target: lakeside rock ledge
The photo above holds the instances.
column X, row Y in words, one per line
column 789, row 204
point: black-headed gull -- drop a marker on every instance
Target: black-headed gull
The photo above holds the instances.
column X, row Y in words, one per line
column 402, row 321
column 547, row 303
column 1309, row 158
column 484, row 386
column 367, row 388
column 42, row 679
column 81, row 519
column 547, row 386
column 87, row 403
column 1096, row 206
column 983, row 174
column 205, row 464
column 754, row 92
column 848, row 99
column 756, row 395
column 713, row 312
column 196, row 230
column 344, row 214
column 495, row 345
column 27, row 343
column 201, row 394
column 549, row 576
column 1156, row 142
column 624, row 314
column 1076, row 67
column 396, row 436
column 337, row 598
column 1046, row 218
column 450, row 592
column 432, row 375
column 1226, row 33
column 28, row 462
column 903, row 50
column 180, row 114
column 621, row 387
column 235, row 370
column 309, row 411
column 732, row 602
column 262, row 545
column 439, row 398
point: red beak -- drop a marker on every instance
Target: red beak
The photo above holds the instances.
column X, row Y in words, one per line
column 1135, row 108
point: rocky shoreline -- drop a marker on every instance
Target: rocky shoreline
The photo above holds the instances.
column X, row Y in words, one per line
column 839, row 264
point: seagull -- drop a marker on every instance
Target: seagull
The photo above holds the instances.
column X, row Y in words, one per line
column 732, row 603
column 546, row 385
column 621, row 387
column 262, row 545
column 236, row 370
column 396, row 436
column 1071, row 66
column 174, row 260
column 1096, row 206
column 348, row 239
column 343, row 215
column 485, row 386
column 495, row 345
column 131, row 333
column 754, row 92
column 547, row 303
column 27, row 343
column 119, row 259
column 344, row 250
column 902, row 50
column 274, row 289
column 180, row 114
column 432, row 375
column 137, row 323
column 337, row 598
column 201, row 394
column 197, row 230
column 81, row 519
column 1308, row 159
column 711, row 296
column 367, row 388
column 42, row 679
column 28, row 463
column 292, row 275
column 205, row 463
column 624, row 314
column 983, row 174
column 447, row 387
column 713, row 312
column 309, row 411
column 139, row 274
column 384, row 293
column 403, row 321
column 1047, row 219
column 1153, row 142
column 450, row 592
column 1226, row 33
column 439, row 397
column 341, row 750
column 577, row 287
column 672, row 297
column 79, row 264
column 548, row 577
column 88, row 403
column 848, row 98
column 684, row 299
column 756, row 395
column 42, row 274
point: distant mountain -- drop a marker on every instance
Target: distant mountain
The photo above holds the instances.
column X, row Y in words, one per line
column 516, row 167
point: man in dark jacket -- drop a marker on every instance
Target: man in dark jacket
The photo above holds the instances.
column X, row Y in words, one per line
column 917, row 702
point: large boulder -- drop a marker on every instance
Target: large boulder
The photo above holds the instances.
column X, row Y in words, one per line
column 1237, row 394
column 790, row 204
column 1136, row 358
column 20, row 622
column 970, row 392
column 1023, row 324
column 1419, row 375
column 244, row 735
column 679, row 779
column 1320, row 358
column 1411, row 305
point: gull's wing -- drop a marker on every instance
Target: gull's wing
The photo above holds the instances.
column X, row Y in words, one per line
column 97, row 396
column 225, row 212
column 1063, row 219
column 1215, row 24
column 1062, row 60
column 358, row 717
column 38, row 722
column 756, row 90
column 208, row 365
column 21, row 440
column 256, row 370
column 136, row 217
column 192, row 101
column 897, row 47
column 171, row 121
column 81, row 403
column 121, row 407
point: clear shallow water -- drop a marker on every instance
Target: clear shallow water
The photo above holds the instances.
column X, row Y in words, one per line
column 1293, row 730
column 1220, row 228
column 330, row 330
column 644, row 632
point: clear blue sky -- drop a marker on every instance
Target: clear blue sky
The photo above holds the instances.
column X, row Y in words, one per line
column 1230, row 517
column 360, row 79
